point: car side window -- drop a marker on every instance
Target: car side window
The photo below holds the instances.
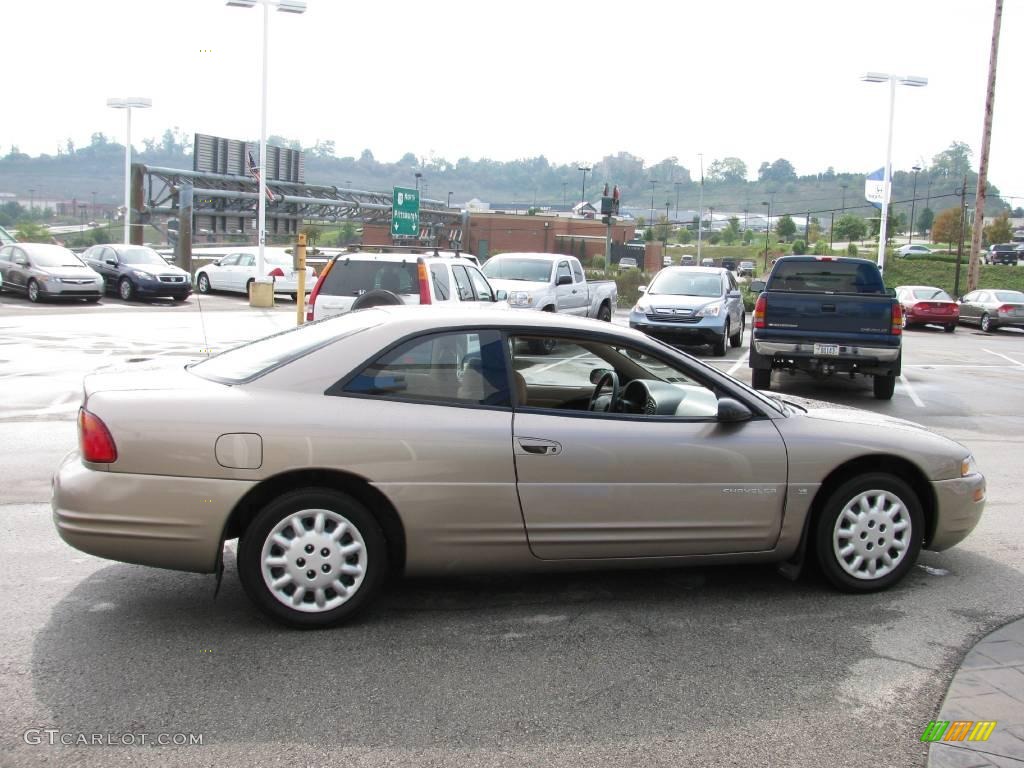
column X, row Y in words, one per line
column 577, row 272
column 563, row 269
column 439, row 279
column 229, row 261
column 480, row 284
column 5, row 253
column 463, row 282
column 459, row 368
column 246, row 260
column 19, row 257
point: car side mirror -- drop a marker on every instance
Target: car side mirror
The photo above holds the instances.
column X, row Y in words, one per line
column 731, row 411
column 756, row 286
column 642, row 288
column 960, row 300
column 111, row 262
column 501, row 295
column 597, row 373
column 564, row 280
column 733, row 295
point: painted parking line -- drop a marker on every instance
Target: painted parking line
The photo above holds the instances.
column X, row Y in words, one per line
column 740, row 362
column 999, row 354
column 562, row 361
column 910, row 391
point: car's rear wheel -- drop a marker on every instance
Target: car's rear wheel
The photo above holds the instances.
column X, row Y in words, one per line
column 720, row 346
column 93, row 299
column 33, row 291
column 761, row 378
column 884, row 387
column 986, row 323
column 125, row 289
column 736, row 340
column 203, row 283
column 951, row 328
column 312, row 558
column 604, row 313
column 869, row 533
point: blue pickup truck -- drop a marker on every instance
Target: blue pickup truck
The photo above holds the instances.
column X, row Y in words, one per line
column 826, row 315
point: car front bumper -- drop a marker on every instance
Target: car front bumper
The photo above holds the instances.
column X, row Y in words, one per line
column 54, row 288
column 166, row 522
column 959, row 504
column 705, row 330
column 160, row 288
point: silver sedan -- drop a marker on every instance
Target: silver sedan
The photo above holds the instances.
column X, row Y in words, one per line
column 434, row 441
column 42, row 271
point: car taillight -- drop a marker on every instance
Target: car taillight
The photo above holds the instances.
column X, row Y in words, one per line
column 759, row 309
column 316, row 291
column 897, row 320
column 94, row 439
column 1005, row 308
column 276, row 272
column 421, row 271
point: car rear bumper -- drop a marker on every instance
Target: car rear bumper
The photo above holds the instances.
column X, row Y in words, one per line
column 166, row 522
column 846, row 352
column 959, row 505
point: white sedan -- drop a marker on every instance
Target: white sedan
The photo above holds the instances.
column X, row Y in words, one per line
column 237, row 270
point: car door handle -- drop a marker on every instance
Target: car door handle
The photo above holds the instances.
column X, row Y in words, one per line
column 538, row 447
column 828, row 307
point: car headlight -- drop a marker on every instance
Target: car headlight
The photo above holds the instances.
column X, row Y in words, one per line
column 142, row 275
column 642, row 308
column 968, row 467
column 711, row 310
column 520, row 299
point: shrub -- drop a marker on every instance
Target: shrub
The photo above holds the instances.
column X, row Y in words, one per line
column 715, row 238
column 599, row 262
column 821, row 249
column 799, row 247
column 851, row 250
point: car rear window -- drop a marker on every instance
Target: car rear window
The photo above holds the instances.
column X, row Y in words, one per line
column 353, row 278
column 826, row 277
column 1014, row 296
column 252, row 360
column 935, row 294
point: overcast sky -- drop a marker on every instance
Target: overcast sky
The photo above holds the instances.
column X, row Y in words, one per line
column 571, row 81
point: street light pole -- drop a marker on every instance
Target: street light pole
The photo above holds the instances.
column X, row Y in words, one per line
column 284, row 6
column 677, row 185
column 914, row 82
column 700, row 206
column 127, row 104
column 845, row 187
column 913, row 204
column 767, row 231
column 583, row 188
column 653, row 183
column 449, row 200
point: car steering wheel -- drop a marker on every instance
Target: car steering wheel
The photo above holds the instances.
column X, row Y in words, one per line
column 616, row 396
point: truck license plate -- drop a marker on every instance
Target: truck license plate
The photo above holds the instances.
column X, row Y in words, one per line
column 826, row 349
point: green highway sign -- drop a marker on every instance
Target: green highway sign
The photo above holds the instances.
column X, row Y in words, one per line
column 405, row 212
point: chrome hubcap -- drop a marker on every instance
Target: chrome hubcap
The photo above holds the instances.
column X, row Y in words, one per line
column 126, row 290
column 204, row 284
column 872, row 534
column 314, row 560
column 33, row 291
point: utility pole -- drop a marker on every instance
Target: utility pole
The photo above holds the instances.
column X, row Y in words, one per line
column 807, row 229
column 831, row 227
column 974, row 271
column 564, row 198
column 678, row 184
column 913, row 204
column 653, row 184
column 700, row 206
column 845, row 187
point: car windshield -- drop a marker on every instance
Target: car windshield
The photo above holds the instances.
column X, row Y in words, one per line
column 249, row 361
column 141, row 256
column 532, row 270
column 1014, row 296
column 354, row 278
column 686, row 284
column 926, row 294
column 56, row 257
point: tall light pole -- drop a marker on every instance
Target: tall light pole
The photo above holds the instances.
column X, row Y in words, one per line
column 700, row 207
column 677, row 185
column 845, row 187
column 653, row 182
column 449, row 200
column 564, row 198
column 128, row 104
column 284, row 6
column 913, row 203
column 31, row 198
column 583, row 189
column 912, row 81
column 767, row 230
column 418, row 176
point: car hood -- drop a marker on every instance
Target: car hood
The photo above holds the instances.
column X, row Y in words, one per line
column 79, row 272
column 156, row 269
column 671, row 301
column 517, row 285
column 826, row 432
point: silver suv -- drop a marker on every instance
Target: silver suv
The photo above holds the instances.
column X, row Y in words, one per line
column 392, row 275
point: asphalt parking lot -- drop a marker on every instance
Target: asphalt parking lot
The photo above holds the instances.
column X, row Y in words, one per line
column 705, row 666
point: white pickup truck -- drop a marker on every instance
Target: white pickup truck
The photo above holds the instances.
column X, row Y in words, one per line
column 551, row 283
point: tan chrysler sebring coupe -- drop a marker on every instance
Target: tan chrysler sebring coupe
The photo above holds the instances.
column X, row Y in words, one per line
column 422, row 440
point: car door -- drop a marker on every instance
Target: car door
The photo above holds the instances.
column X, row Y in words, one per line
column 218, row 272
column 5, row 264
column 567, row 296
column 481, row 288
column 603, row 485
column 19, row 270
column 463, row 284
column 243, row 272
column 734, row 301
column 969, row 309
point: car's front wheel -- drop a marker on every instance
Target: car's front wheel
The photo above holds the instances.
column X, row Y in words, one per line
column 869, row 533
column 312, row 558
column 203, row 283
column 720, row 346
column 125, row 289
column 33, row 291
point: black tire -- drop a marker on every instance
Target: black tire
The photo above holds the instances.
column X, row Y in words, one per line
column 92, row 300
column 883, row 387
column 377, row 298
column 604, row 313
column 736, row 340
column 761, row 378
column 125, row 289
column 178, row 299
column 33, row 292
column 248, row 287
column 373, row 556
column 986, row 324
column 721, row 345
column 951, row 328
column 295, row 298
column 862, row 533
column 203, row 283
column 541, row 346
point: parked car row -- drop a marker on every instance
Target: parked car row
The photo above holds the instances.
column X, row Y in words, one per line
column 989, row 309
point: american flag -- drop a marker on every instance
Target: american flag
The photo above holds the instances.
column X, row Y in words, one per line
column 254, row 171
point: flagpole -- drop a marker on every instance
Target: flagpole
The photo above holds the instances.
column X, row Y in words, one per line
column 262, row 213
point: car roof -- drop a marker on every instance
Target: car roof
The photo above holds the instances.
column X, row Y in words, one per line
column 918, row 287
column 697, row 270
column 537, row 256
column 410, row 255
column 39, row 248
